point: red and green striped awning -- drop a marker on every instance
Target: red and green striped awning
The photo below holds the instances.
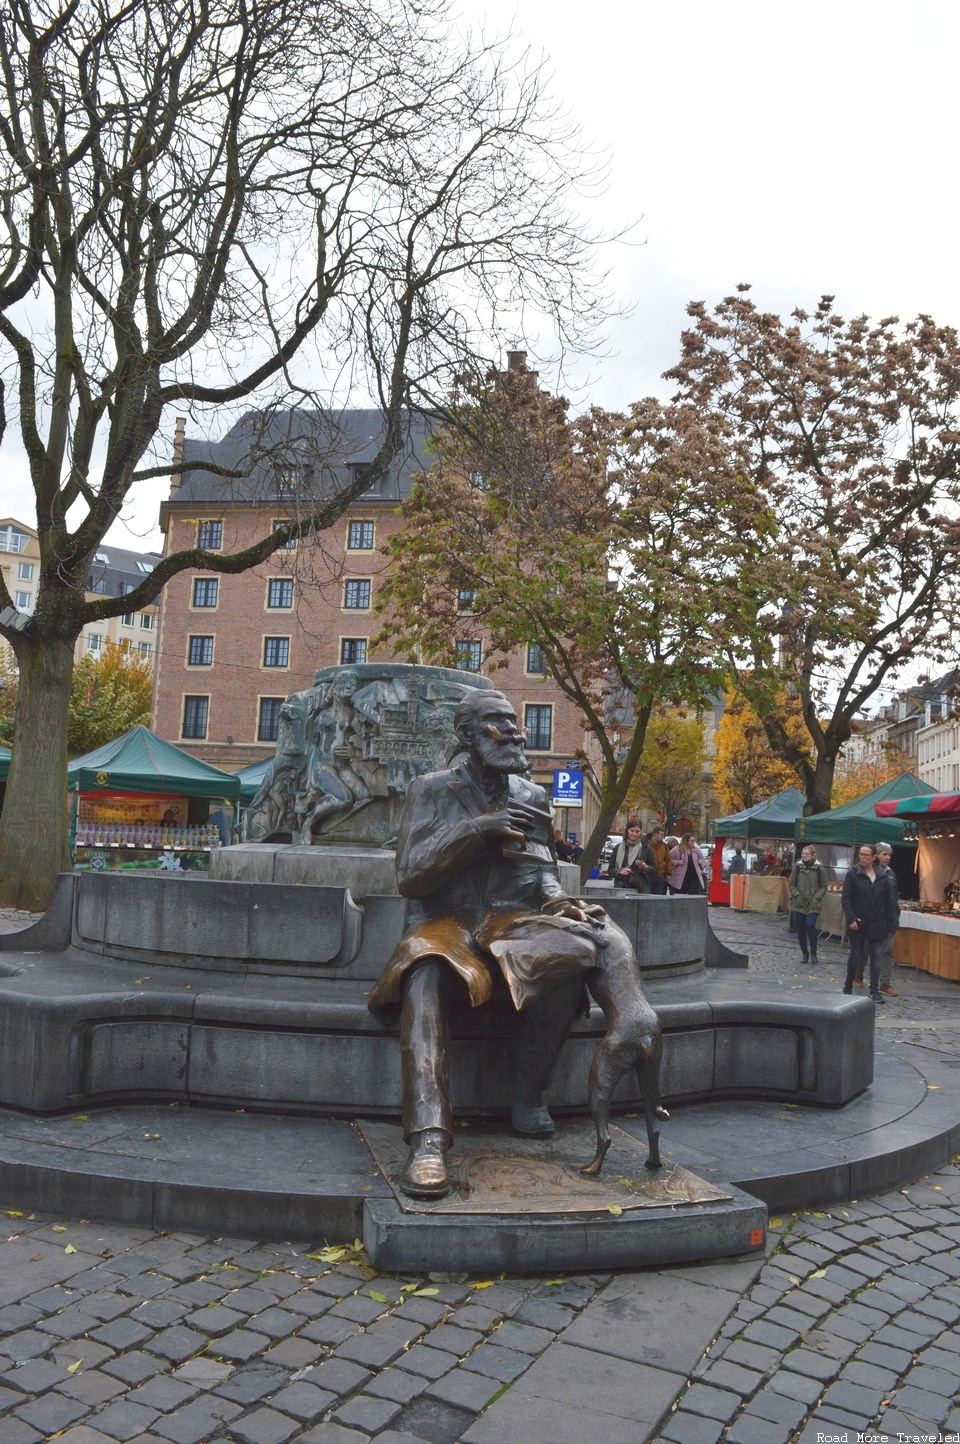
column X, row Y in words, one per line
column 937, row 804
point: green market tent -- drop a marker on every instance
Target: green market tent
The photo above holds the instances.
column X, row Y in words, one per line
column 250, row 779
column 4, row 763
column 777, row 817
column 857, row 821
column 140, row 761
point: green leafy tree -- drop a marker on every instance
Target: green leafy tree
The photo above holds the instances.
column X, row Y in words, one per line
column 109, row 694
column 212, row 205
column 852, row 430
column 587, row 538
column 670, row 774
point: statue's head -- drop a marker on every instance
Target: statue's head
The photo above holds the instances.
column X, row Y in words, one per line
column 486, row 724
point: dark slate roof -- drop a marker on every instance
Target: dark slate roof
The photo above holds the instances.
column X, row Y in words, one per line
column 114, row 571
column 314, row 451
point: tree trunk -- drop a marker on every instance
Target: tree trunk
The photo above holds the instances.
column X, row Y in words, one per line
column 614, row 787
column 819, row 788
column 34, row 822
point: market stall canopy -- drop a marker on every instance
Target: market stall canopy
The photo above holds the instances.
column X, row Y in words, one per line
column 140, row 761
column 4, row 763
column 857, row 821
column 777, row 817
column 927, row 807
column 250, row 779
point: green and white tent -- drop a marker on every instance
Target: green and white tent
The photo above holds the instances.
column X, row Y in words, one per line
column 777, row 817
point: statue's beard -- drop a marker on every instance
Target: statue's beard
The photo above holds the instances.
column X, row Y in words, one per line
column 501, row 756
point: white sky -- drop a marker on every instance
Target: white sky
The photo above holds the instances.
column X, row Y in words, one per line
column 804, row 148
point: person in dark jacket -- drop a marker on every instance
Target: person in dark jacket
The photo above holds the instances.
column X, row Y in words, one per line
column 869, row 908
column 884, row 855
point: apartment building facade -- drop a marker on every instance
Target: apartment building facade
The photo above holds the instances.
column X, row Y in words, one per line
column 114, row 571
column 233, row 647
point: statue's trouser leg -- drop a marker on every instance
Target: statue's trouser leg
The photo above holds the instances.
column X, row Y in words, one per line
column 543, row 1027
column 425, row 1050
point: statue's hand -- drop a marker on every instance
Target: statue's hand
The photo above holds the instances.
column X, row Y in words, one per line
column 502, row 823
column 575, row 908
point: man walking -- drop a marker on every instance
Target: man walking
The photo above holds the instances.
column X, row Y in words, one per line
column 883, row 853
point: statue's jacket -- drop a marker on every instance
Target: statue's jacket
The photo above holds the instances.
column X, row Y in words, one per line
column 474, row 903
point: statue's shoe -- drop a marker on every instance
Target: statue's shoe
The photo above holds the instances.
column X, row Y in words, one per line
column 425, row 1172
column 532, row 1120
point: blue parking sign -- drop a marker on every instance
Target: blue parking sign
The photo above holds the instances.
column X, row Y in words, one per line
column 567, row 788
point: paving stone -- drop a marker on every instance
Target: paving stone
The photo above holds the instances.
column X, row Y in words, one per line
column 453, row 1340
column 49, row 1413
column 125, row 1420
column 935, row 1381
column 899, row 1338
column 430, row 1363
column 164, row 1393
column 855, row 1399
column 359, row 1307
column 919, row 1323
column 926, row 1406
column 160, row 1313
column 751, row 1429
column 68, row 1325
column 371, row 1350
column 435, row 1419
column 465, row 1389
column 692, row 1429
column 18, row 1431
column 424, row 1311
column 293, row 1354
column 778, row 1408
column 215, row 1319
column 251, row 1300
column 203, row 1371
column 198, row 1421
column 871, row 1376
column 814, row 1365
column 91, row 1387
column 265, row 1426
column 497, row 1363
column 947, row 1310
column 276, row 1323
column 34, row 1377
column 398, row 1385
column 339, row 1376
column 329, row 1330
column 249, row 1386
column 886, row 1356
column 29, row 1344
column 331, row 1433
column 134, row 1367
column 240, row 1345
column 524, row 1337
column 772, row 1334
column 122, row 1333
column 811, row 1306
column 402, row 1331
column 367, row 1413
column 537, row 1310
column 735, row 1377
column 713, row 1403
column 303, row 1401
column 177, row 1343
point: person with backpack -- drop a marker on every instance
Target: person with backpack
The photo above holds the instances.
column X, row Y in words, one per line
column 808, row 888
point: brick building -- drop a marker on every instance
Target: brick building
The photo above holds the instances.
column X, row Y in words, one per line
column 231, row 648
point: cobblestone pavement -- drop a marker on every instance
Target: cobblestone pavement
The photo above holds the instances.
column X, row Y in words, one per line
column 110, row 1332
column 12, row 919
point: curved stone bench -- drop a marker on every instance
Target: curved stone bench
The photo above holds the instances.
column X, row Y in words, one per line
column 254, row 995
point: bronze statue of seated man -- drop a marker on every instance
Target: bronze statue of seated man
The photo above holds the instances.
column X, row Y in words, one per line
column 475, row 855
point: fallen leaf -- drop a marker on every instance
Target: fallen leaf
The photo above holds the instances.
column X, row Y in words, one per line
column 487, row 1285
column 819, row 1274
column 14, row 1213
column 378, row 1298
column 615, row 1209
column 776, row 1223
column 425, row 1293
column 792, row 1279
column 80, row 1118
column 59, row 1228
column 552, row 1283
column 72, row 1368
column 69, row 1248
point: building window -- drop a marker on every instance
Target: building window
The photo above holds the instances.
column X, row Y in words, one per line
column 195, row 716
column 290, row 543
column 268, row 728
column 353, row 649
column 25, row 571
column 205, row 591
column 12, row 540
column 94, row 642
column 146, row 622
column 466, row 599
column 356, row 595
column 535, row 662
column 210, row 535
column 360, row 536
column 144, row 648
column 276, row 651
column 280, row 592
column 538, row 725
column 469, row 656
column 200, row 653
column 127, row 619
column 23, row 601
column 146, row 567
column 96, row 584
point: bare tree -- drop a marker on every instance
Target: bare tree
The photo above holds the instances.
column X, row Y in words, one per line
column 214, row 202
